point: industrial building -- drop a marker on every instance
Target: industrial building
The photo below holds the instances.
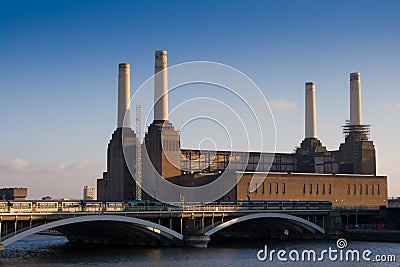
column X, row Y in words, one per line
column 346, row 176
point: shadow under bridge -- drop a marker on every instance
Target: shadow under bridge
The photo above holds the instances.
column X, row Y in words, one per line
column 265, row 225
column 106, row 229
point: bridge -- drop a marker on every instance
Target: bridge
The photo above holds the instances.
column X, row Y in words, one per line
column 169, row 226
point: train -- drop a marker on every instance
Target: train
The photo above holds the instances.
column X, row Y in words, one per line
column 146, row 205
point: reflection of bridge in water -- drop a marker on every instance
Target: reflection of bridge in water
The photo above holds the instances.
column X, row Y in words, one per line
column 172, row 226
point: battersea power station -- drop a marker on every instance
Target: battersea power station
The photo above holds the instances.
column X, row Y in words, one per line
column 346, row 177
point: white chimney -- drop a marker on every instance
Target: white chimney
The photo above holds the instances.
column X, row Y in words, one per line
column 355, row 99
column 124, row 84
column 310, row 116
column 161, row 86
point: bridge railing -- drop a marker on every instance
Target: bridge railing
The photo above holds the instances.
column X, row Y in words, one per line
column 354, row 208
column 210, row 208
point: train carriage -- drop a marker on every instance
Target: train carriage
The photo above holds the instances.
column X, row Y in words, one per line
column 3, row 206
column 257, row 205
column 325, row 205
column 71, row 206
column 136, row 205
column 93, row 206
column 299, row 205
column 115, row 206
column 155, row 206
column 274, row 205
column 19, row 206
column 313, row 205
column 48, row 206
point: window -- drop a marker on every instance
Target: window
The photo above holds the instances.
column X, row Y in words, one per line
column 284, row 188
column 277, row 188
column 316, row 189
column 323, row 189
column 366, row 189
column 372, row 189
column 256, row 187
column 270, row 188
column 310, row 188
column 355, row 189
column 304, row 188
column 248, row 188
column 263, row 188
column 348, row 189
column 360, row 189
column 378, row 189
column 330, row 189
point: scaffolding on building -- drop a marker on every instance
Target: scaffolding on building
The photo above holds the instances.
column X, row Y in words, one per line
column 360, row 132
column 138, row 173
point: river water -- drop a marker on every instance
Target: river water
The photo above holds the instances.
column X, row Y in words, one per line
column 40, row 250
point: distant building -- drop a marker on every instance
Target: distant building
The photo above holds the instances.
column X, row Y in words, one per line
column 394, row 202
column 89, row 193
column 47, row 198
column 13, row 193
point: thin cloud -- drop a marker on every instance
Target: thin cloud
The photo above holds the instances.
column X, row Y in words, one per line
column 392, row 106
column 282, row 105
column 7, row 165
column 54, row 179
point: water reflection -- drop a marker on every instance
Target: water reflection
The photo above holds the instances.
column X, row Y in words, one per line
column 46, row 251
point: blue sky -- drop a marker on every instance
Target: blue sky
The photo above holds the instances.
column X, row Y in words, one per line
column 59, row 62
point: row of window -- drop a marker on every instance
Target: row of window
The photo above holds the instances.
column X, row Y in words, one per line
column 272, row 188
column 319, row 189
column 210, row 161
column 368, row 189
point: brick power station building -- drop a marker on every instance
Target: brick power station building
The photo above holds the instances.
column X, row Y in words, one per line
column 346, row 177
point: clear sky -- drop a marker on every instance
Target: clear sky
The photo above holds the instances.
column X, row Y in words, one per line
column 59, row 65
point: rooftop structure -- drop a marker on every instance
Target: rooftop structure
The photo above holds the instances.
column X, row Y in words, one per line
column 13, row 193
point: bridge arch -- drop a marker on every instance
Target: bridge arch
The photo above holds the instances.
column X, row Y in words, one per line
column 312, row 227
column 145, row 226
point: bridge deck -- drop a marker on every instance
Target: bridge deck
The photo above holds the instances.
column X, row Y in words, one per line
column 155, row 224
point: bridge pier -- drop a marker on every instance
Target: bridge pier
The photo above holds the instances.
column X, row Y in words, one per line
column 197, row 241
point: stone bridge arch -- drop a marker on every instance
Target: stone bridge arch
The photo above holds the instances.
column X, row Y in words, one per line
column 294, row 220
column 69, row 227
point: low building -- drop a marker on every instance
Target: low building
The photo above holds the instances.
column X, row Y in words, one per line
column 343, row 190
column 13, row 193
column 394, row 202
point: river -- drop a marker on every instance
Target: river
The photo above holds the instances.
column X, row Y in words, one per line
column 40, row 250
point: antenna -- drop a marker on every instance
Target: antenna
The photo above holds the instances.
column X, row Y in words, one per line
column 139, row 152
